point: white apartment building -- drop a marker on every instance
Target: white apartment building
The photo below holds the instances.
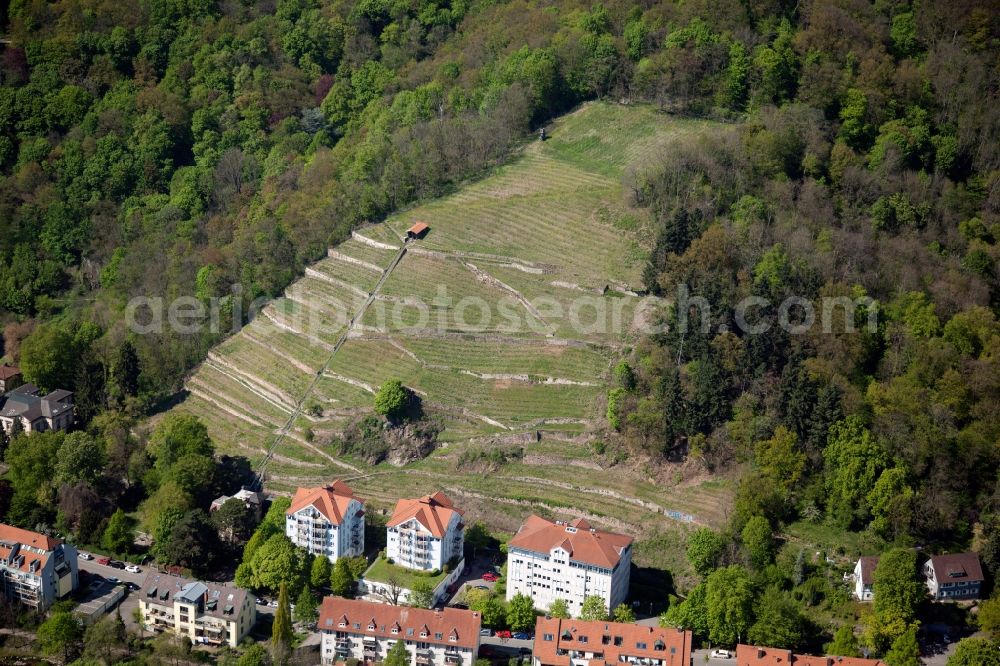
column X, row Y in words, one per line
column 36, row 569
column 364, row 630
column 327, row 521
column 571, row 561
column 208, row 613
column 425, row 533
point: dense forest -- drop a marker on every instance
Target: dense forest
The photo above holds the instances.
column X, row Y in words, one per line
column 169, row 147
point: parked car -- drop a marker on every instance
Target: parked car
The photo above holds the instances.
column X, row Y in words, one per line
column 722, row 654
column 85, row 556
column 521, row 635
column 272, row 603
column 116, row 564
column 133, row 586
column 261, row 602
column 113, row 580
column 490, row 577
column 131, row 568
column 503, row 633
column 104, row 560
column 482, row 587
column 486, row 632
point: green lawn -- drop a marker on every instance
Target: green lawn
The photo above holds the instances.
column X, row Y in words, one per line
column 381, row 571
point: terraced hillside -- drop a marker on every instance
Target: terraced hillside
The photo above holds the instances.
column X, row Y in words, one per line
column 506, row 319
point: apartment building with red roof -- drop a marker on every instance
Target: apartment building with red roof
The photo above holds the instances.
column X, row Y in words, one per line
column 327, row 521
column 584, row 643
column 752, row 655
column 425, row 533
column 366, row 631
column 549, row 560
column 36, row 569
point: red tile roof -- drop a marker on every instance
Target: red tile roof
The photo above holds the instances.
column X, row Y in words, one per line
column 750, row 655
column 8, row 371
column 332, row 501
column 610, row 640
column 584, row 543
column 463, row 625
column 417, row 228
column 957, row 567
column 434, row 512
column 11, row 534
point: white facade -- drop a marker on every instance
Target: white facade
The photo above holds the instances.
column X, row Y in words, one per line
column 863, row 578
column 327, row 521
column 366, row 632
column 342, row 645
column 413, row 546
column 36, row 570
column 549, row 560
column 546, row 577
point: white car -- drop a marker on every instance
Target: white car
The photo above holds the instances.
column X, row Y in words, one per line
column 85, row 556
column 133, row 569
column 722, row 654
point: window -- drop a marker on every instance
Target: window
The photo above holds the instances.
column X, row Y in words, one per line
column 618, row 641
column 437, row 635
column 582, row 639
column 547, row 637
column 640, row 645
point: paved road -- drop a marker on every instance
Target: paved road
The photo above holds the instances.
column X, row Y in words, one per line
column 103, row 570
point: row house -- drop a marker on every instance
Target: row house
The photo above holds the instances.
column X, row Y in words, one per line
column 208, row 613
column 327, row 521
column 366, row 631
column 585, row 643
column 549, row 560
column 751, row 655
column 36, row 569
column 425, row 533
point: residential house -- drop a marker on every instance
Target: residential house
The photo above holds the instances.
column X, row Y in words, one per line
column 549, row 560
column 956, row 576
column 37, row 413
column 10, row 377
column 252, row 500
column 36, row 569
column 327, row 521
column 751, row 655
column 864, row 576
column 364, row 630
column 209, row 613
column 425, row 533
column 583, row 643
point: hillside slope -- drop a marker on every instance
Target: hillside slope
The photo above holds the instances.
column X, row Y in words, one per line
column 548, row 233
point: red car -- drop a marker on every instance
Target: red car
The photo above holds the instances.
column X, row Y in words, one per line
column 103, row 560
column 503, row 633
column 490, row 577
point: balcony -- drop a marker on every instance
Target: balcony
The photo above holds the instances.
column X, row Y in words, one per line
column 425, row 657
column 450, row 658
